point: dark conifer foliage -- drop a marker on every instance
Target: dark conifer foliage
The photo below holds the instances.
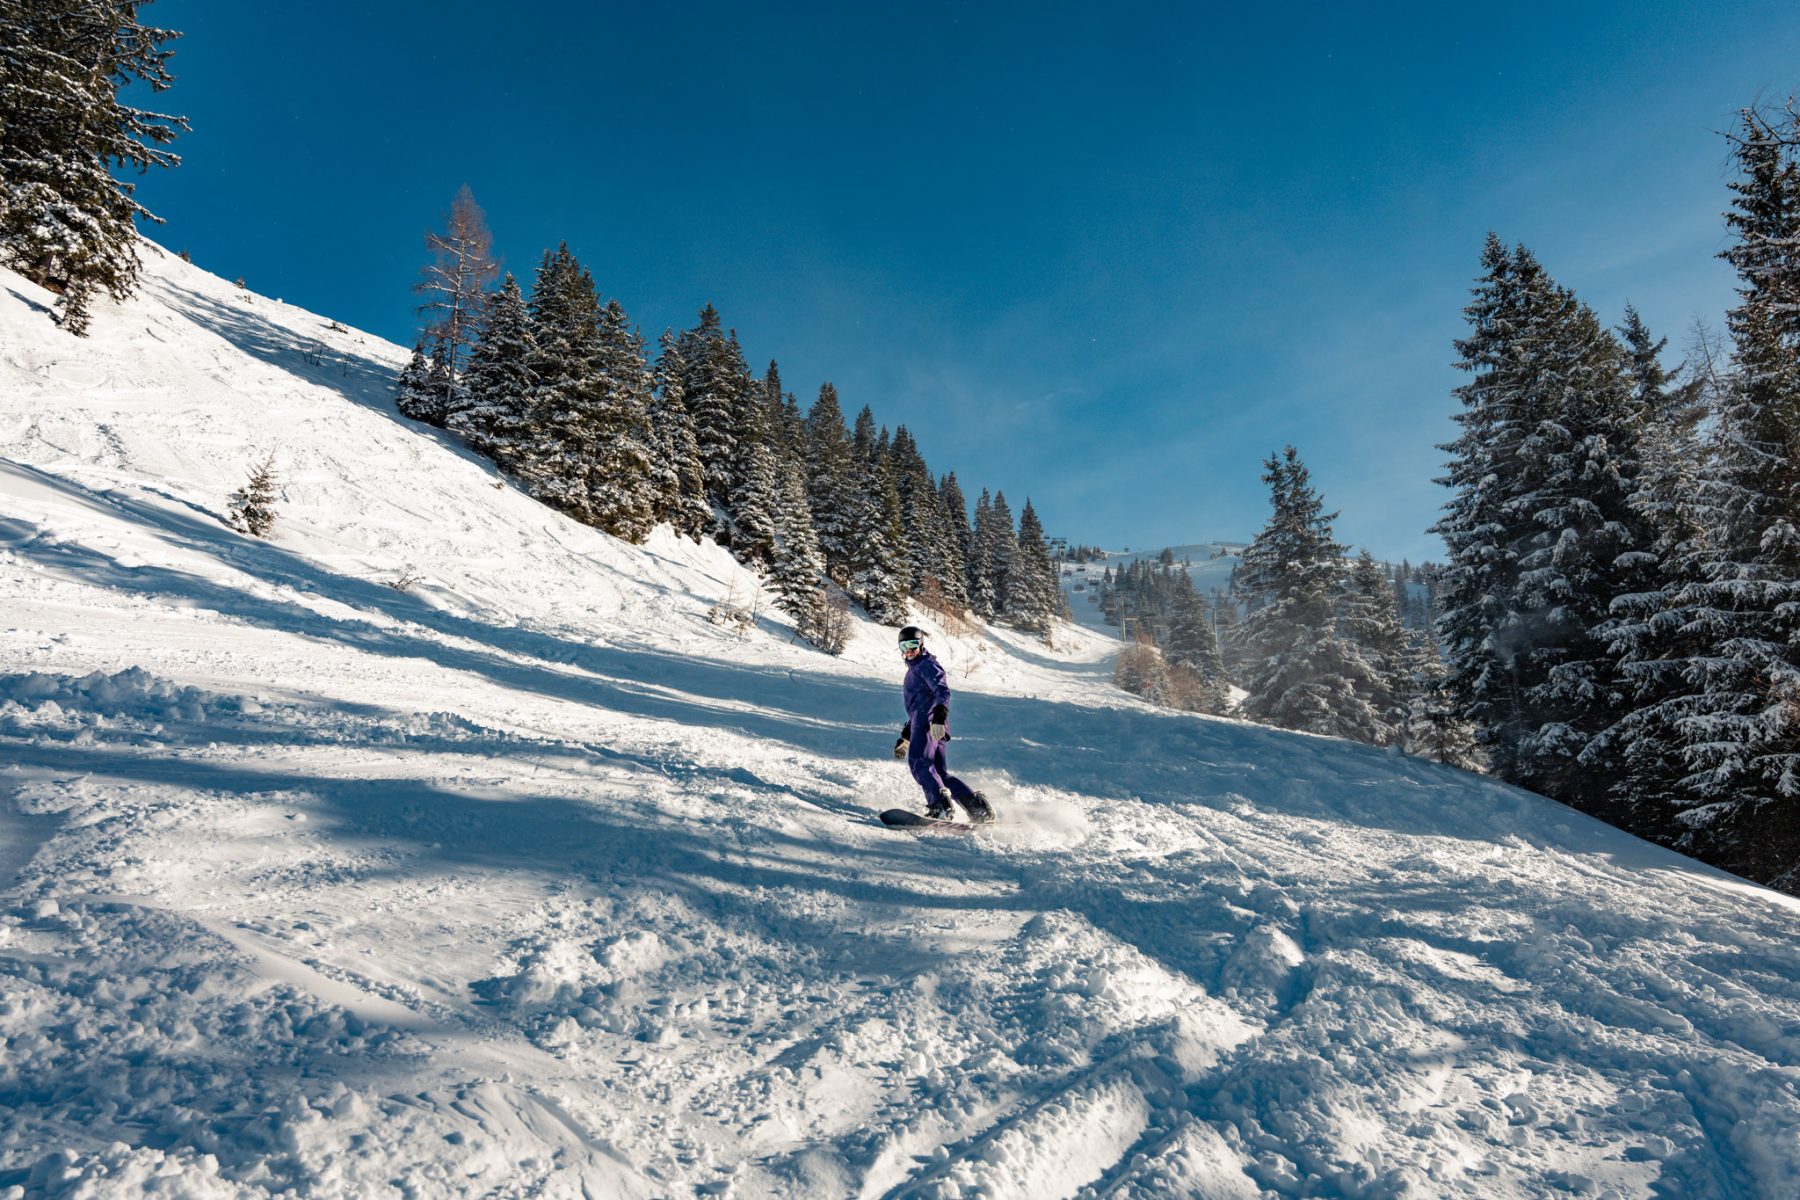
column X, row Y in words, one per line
column 66, row 220
column 1715, row 743
column 755, row 489
column 997, row 548
column 1368, row 616
column 877, row 578
column 1035, row 602
column 710, row 387
column 1542, row 533
column 252, row 508
column 565, row 319
column 1299, row 672
column 679, row 478
column 830, row 482
column 620, row 483
column 956, row 519
column 558, row 392
column 414, row 395
column 500, row 383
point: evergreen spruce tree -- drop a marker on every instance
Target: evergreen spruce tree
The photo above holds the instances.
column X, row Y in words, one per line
column 981, row 582
column 1035, row 601
column 620, row 475
column 956, row 521
column 413, row 395
column 1732, row 701
column 928, row 543
column 829, row 481
column 500, row 384
column 1193, row 644
column 876, row 578
column 710, row 387
column 1541, row 531
column 799, row 567
column 566, row 426
column 1367, row 616
column 1648, row 633
column 918, row 537
column 755, row 486
column 443, row 392
column 252, row 507
column 680, row 474
column 999, row 554
column 1299, row 673
column 66, row 219
column 1434, row 727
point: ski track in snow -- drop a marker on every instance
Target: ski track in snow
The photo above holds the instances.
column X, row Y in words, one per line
column 529, row 880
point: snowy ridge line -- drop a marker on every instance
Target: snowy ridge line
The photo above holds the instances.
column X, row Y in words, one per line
column 531, row 880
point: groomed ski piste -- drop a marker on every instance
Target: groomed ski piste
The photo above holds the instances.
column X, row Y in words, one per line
column 442, row 847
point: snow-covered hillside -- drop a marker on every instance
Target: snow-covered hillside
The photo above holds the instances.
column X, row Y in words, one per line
column 1208, row 564
column 528, row 879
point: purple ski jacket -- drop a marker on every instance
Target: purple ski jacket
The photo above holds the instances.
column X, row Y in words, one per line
column 926, row 687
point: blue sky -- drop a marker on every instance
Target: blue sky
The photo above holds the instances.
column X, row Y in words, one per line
column 1107, row 257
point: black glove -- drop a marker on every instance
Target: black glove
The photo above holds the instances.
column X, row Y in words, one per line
column 905, row 739
column 940, row 723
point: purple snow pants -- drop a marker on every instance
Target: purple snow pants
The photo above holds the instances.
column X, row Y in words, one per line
column 925, row 758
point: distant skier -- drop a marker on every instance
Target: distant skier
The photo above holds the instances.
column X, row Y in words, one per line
column 926, row 730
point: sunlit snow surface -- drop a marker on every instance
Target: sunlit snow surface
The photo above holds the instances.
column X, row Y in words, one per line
column 529, row 880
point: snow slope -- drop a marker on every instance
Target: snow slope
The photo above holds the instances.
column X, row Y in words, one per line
column 1208, row 564
column 530, row 880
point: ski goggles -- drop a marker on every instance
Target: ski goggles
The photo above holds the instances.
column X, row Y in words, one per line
column 910, row 644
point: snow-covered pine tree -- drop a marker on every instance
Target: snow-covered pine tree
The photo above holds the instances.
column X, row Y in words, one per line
column 981, row 583
column 799, row 568
column 1486, row 636
column 66, row 219
column 1298, row 671
column 621, row 487
column 755, row 488
column 1434, row 728
column 956, row 521
column 565, row 327
column 1192, row 644
column 1589, row 547
column 252, row 507
column 1035, row 602
column 780, row 417
column 908, row 468
column 710, row 388
column 497, row 421
column 443, row 392
column 454, row 282
column 1368, row 617
column 413, row 394
column 829, row 481
column 877, row 579
column 1000, row 553
column 1737, row 718
column 1648, row 633
column 1541, row 531
column 680, row 474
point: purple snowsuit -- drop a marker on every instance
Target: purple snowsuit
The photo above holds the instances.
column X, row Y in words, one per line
column 926, row 688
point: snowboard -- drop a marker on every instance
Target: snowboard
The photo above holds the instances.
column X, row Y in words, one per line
column 900, row 818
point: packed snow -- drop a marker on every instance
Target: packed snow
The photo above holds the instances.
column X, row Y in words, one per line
column 439, row 846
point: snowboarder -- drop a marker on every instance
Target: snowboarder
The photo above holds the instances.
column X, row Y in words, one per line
column 926, row 730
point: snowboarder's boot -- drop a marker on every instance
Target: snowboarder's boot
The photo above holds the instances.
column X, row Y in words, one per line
column 979, row 810
column 941, row 809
